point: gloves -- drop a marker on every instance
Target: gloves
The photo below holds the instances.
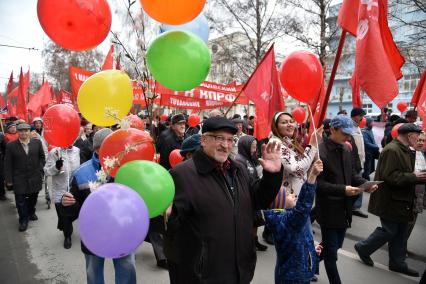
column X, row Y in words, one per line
column 59, row 164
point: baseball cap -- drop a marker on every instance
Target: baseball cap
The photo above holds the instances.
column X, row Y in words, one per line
column 342, row 122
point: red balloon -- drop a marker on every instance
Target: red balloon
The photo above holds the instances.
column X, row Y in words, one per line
column 193, row 120
column 75, row 25
column 163, row 117
column 136, row 122
column 401, row 106
column 299, row 114
column 114, row 145
column 363, row 122
column 301, row 75
column 61, row 125
column 394, row 132
column 175, row 157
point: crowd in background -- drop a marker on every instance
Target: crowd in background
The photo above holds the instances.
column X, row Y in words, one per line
column 238, row 184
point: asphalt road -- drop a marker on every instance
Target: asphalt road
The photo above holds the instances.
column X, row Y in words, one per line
column 37, row 255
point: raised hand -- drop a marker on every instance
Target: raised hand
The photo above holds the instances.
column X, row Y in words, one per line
column 271, row 157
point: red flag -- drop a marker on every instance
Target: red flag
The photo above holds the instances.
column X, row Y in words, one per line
column 109, row 59
column 10, row 84
column 40, row 100
column 378, row 61
column 348, row 16
column 421, row 87
column 21, row 105
column 263, row 88
column 77, row 77
column 319, row 112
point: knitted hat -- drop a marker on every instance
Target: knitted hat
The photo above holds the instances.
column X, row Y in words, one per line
column 100, row 136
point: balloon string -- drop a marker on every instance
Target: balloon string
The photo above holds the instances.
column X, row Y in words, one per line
column 67, row 171
column 315, row 129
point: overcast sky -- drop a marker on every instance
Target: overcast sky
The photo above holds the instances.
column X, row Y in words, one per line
column 20, row 27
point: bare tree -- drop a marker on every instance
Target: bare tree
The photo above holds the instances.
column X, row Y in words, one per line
column 137, row 30
column 409, row 17
column 57, row 61
column 258, row 23
column 315, row 28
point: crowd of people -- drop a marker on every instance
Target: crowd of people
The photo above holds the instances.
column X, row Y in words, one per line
column 230, row 184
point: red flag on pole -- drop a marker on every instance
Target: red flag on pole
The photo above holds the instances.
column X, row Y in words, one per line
column 21, row 105
column 10, row 84
column 109, row 59
column 378, row 61
column 40, row 100
column 420, row 89
column 263, row 88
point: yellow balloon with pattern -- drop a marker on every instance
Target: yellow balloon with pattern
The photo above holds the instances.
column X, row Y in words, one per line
column 105, row 97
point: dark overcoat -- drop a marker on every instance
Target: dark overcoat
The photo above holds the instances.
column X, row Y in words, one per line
column 211, row 232
column 24, row 171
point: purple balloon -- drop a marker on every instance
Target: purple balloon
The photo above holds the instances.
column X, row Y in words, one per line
column 113, row 221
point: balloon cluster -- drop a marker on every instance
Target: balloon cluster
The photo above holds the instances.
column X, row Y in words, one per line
column 114, row 219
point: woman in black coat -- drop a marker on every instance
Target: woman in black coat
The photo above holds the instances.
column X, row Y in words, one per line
column 247, row 156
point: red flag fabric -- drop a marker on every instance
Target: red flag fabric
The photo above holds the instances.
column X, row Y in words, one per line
column 21, row 105
column 319, row 112
column 378, row 61
column 109, row 59
column 356, row 93
column 77, row 77
column 10, row 84
column 421, row 87
column 40, row 100
column 348, row 16
column 420, row 92
column 263, row 88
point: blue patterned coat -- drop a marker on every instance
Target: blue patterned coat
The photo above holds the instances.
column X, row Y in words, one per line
column 296, row 256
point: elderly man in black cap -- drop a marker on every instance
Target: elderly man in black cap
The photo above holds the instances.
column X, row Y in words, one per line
column 211, row 222
column 394, row 200
column 24, row 164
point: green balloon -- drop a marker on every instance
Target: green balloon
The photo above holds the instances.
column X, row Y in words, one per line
column 179, row 60
column 151, row 181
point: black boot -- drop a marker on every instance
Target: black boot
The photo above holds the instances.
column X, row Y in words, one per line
column 258, row 245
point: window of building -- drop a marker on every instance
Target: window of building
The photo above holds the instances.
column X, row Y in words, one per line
column 368, row 108
column 410, row 82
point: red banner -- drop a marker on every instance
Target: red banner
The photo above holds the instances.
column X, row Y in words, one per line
column 206, row 96
column 77, row 77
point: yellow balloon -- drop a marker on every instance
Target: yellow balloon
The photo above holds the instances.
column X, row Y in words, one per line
column 105, row 95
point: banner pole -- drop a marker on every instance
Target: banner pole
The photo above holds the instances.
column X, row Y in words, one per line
column 333, row 72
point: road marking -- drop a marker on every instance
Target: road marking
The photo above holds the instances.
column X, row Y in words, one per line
column 376, row 264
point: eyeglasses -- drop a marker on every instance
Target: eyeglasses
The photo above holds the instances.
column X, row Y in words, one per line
column 221, row 139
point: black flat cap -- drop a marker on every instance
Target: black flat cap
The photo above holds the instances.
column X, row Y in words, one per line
column 218, row 123
column 409, row 128
column 178, row 118
column 357, row 111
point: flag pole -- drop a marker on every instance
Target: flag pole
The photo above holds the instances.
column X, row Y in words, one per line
column 333, row 71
